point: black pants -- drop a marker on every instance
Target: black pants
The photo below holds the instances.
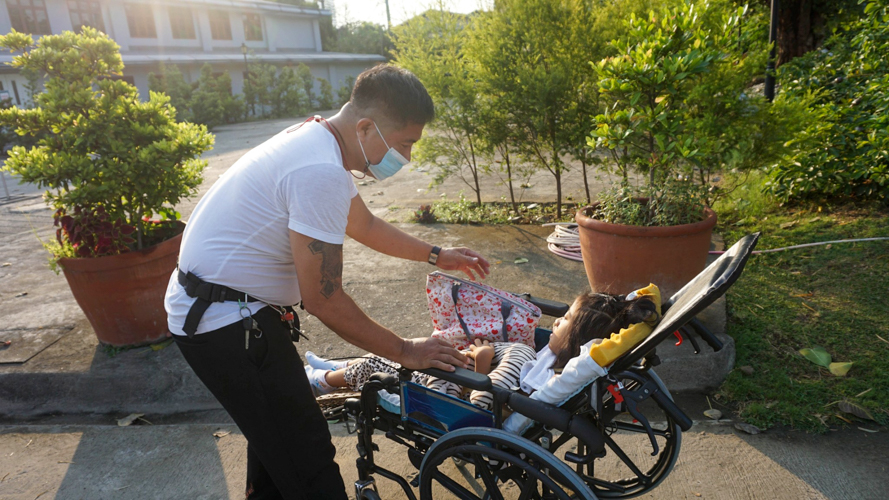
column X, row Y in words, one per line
column 265, row 390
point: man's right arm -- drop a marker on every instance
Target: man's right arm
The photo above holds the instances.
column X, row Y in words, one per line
column 319, row 267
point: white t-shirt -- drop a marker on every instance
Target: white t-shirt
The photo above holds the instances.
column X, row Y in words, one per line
column 238, row 234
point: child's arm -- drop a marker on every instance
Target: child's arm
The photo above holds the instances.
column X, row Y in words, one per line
column 483, row 353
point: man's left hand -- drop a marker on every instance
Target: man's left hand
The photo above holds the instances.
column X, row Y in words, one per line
column 463, row 259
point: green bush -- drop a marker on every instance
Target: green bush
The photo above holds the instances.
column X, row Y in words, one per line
column 99, row 145
column 344, row 93
column 843, row 151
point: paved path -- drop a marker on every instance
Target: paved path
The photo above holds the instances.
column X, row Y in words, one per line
column 181, row 459
column 186, row 461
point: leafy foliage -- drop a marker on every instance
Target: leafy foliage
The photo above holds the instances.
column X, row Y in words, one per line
column 208, row 101
column 344, row 93
column 677, row 98
column 453, row 145
column 843, row 150
column 673, row 202
column 99, row 145
column 92, row 233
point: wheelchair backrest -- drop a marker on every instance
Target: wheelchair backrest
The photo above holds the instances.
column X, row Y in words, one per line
column 693, row 298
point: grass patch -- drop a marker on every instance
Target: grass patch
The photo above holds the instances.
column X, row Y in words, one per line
column 830, row 296
column 467, row 212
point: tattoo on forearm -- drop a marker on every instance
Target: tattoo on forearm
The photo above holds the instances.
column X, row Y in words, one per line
column 331, row 265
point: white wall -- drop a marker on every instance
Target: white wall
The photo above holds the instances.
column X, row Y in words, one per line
column 291, row 33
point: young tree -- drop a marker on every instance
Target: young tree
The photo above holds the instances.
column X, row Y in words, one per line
column 325, row 101
column 171, row 82
column 431, row 46
column 287, row 96
column 525, row 60
column 308, row 84
column 344, row 93
column 207, row 107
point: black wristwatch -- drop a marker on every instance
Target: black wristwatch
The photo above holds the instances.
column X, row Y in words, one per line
column 433, row 255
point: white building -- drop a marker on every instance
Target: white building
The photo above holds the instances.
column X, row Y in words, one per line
column 187, row 33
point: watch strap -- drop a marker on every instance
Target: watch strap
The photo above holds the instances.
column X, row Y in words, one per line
column 433, row 255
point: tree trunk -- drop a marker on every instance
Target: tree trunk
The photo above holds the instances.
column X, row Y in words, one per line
column 515, row 206
column 474, row 168
column 558, row 175
column 586, row 182
column 797, row 26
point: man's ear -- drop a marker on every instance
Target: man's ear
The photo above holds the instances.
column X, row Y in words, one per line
column 364, row 126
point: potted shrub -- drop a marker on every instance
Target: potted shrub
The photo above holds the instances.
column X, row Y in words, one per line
column 110, row 163
column 676, row 111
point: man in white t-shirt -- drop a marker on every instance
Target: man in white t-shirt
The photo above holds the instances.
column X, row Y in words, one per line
column 270, row 234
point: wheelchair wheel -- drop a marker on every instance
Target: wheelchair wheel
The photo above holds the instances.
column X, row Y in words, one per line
column 498, row 465
column 628, row 469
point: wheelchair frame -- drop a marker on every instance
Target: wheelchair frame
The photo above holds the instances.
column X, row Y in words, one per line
column 592, row 417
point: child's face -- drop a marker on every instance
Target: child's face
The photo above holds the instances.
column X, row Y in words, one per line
column 559, row 338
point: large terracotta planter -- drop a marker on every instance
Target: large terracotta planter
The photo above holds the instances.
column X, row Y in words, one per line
column 619, row 258
column 123, row 295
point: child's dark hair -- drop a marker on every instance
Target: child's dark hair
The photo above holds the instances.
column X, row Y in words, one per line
column 598, row 315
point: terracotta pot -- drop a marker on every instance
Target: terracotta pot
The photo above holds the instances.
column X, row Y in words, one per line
column 123, row 295
column 619, row 258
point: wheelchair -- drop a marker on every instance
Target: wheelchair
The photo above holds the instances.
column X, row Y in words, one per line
column 586, row 448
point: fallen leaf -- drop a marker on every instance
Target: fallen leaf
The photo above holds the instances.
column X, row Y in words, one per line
column 22, row 294
column 816, row 355
column 868, row 430
column 863, row 392
column 713, row 413
column 788, row 225
column 533, row 205
column 854, row 409
column 840, row 369
column 221, row 433
column 129, row 419
column 807, row 306
column 881, row 338
column 161, row 345
column 747, row 370
column 6, row 264
column 748, row 428
column 803, row 295
column 844, row 419
column 521, row 260
column 828, row 247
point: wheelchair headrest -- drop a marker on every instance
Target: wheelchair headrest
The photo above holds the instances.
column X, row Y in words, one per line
column 694, row 297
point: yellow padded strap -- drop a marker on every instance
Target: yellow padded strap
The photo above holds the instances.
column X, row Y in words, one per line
column 612, row 348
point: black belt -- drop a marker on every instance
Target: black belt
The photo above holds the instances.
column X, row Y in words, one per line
column 206, row 294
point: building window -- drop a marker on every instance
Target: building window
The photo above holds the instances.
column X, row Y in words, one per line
column 140, row 20
column 29, row 16
column 253, row 27
column 86, row 13
column 182, row 23
column 220, row 26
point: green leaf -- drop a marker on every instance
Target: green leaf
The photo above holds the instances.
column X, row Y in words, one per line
column 840, row 369
column 816, row 355
column 521, row 260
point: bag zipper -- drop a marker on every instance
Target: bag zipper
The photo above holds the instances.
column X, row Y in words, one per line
column 536, row 314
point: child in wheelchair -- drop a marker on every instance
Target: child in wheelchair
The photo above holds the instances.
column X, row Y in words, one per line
column 602, row 319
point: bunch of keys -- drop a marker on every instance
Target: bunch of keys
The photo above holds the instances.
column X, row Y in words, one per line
column 290, row 318
column 250, row 324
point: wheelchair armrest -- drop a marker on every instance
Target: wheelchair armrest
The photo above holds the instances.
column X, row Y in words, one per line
column 552, row 308
column 462, row 377
column 557, row 418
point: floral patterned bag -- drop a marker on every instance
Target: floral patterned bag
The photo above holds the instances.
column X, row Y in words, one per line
column 463, row 311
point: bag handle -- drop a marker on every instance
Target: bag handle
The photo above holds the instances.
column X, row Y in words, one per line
column 505, row 311
column 455, row 289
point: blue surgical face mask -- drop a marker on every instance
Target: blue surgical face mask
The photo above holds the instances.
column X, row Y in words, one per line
column 391, row 163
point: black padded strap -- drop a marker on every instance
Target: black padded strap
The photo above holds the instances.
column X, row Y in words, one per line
column 455, row 290
column 194, row 316
column 505, row 309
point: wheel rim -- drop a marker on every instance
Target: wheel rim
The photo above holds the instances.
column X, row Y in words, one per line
column 505, row 468
column 629, row 447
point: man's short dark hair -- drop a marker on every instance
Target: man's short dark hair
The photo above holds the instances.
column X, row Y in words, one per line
column 393, row 94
